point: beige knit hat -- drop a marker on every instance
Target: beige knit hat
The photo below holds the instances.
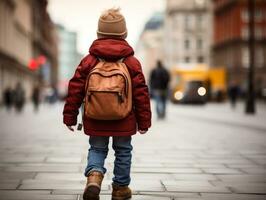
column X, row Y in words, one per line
column 112, row 24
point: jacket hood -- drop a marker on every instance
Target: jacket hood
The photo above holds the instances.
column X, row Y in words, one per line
column 111, row 49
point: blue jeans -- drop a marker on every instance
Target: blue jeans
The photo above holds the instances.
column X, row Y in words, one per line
column 160, row 98
column 98, row 152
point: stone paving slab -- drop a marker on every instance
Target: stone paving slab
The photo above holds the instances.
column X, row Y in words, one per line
column 146, row 185
column 51, row 186
column 257, row 170
column 151, row 176
column 168, row 170
column 21, row 159
column 43, row 168
column 249, row 188
column 221, row 171
column 34, row 196
column 208, row 196
column 16, row 175
column 67, row 159
column 194, row 186
column 173, row 194
column 194, row 177
column 60, row 176
column 242, row 178
column 224, row 161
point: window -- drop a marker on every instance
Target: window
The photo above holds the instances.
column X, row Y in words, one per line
column 245, row 57
column 187, row 21
column 245, row 33
column 176, row 21
column 245, row 15
column 187, row 59
column 199, row 43
column 187, row 44
column 259, row 58
column 258, row 33
column 200, row 20
column 200, row 59
column 258, row 15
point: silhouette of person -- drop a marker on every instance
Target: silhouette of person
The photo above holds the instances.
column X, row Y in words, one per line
column 36, row 97
column 233, row 93
column 159, row 80
column 19, row 97
column 8, row 98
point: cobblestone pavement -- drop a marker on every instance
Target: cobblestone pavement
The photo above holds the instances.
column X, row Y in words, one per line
column 197, row 153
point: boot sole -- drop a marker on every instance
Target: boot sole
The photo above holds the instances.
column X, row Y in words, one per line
column 92, row 193
column 122, row 198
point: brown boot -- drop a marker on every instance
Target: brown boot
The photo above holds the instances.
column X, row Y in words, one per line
column 121, row 192
column 93, row 186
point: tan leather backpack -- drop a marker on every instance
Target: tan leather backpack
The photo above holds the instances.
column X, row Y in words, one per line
column 108, row 91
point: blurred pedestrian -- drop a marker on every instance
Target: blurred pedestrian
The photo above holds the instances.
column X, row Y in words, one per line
column 233, row 93
column 35, row 97
column 111, row 62
column 8, row 98
column 54, row 96
column 159, row 81
column 19, row 97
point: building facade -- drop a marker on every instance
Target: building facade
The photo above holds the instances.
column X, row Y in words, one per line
column 68, row 58
column 188, row 32
column 149, row 48
column 231, row 34
column 24, row 33
column 45, row 40
column 15, row 44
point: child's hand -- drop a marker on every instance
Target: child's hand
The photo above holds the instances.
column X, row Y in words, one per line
column 70, row 128
column 142, row 131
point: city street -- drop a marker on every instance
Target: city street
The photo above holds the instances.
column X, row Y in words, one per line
column 198, row 153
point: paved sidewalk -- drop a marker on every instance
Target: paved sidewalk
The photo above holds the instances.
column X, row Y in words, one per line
column 198, row 153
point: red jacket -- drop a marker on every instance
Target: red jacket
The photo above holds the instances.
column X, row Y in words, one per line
column 139, row 118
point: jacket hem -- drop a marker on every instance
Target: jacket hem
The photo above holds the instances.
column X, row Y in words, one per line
column 110, row 133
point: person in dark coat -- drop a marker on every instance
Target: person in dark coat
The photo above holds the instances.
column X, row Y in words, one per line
column 233, row 93
column 35, row 97
column 159, row 80
column 110, row 46
column 19, row 97
column 8, row 98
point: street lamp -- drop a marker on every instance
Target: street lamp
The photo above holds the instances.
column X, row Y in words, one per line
column 250, row 101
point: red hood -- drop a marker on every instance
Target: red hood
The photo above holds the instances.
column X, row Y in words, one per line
column 111, row 49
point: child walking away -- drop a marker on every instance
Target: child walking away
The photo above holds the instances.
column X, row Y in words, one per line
column 110, row 82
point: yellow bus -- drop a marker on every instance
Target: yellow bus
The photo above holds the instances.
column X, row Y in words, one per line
column 198, row 84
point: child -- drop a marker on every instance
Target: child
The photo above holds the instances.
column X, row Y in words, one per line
column 110, row 46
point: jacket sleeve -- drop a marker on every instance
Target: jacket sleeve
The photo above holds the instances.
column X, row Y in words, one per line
column 76, row 91
column 140, row 93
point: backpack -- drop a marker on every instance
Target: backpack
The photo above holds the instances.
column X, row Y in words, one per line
column 108, row 91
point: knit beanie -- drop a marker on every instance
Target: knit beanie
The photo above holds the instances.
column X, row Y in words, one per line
column 112, row 24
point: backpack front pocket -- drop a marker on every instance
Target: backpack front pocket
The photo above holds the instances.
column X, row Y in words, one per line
column 105, row 105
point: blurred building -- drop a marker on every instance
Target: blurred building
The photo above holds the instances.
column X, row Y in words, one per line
column 69, row 57
column 231, row 34
column 26, row 32
column 188, row 32
column 150, row 45
column 45, row 41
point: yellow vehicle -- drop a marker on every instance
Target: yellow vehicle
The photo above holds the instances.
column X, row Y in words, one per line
column 198, row 84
